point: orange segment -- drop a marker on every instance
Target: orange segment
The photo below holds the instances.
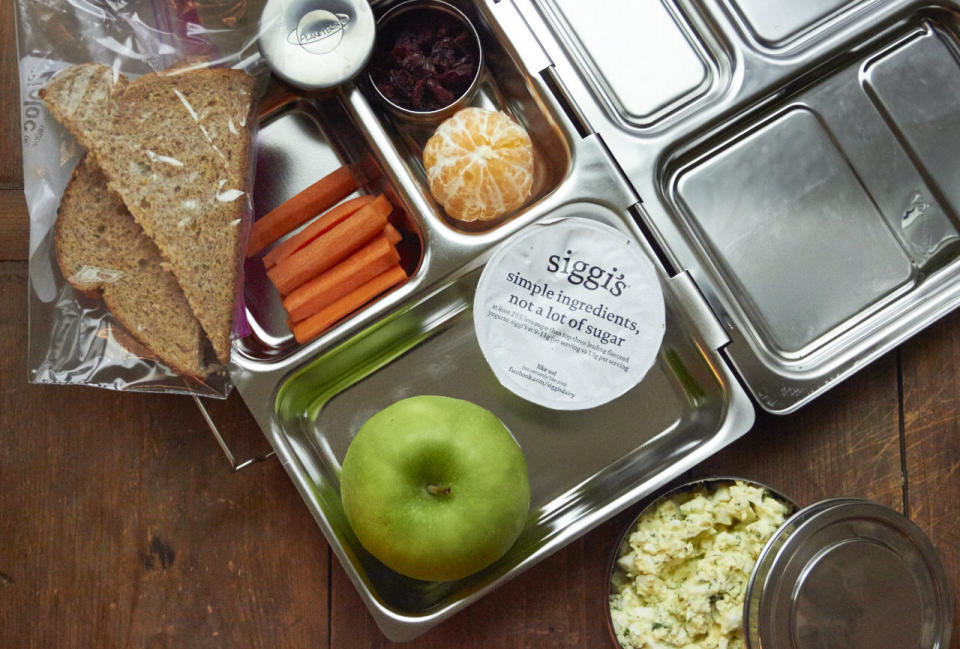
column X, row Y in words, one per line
column 479, row 165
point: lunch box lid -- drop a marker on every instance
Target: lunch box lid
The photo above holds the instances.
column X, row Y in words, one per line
column 848, row 573
column 757, row 171
column 317, row 44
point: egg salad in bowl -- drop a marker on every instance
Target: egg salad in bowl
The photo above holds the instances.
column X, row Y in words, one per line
column 682, row 570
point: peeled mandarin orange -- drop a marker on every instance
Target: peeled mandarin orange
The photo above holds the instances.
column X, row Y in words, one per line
column 479, row 165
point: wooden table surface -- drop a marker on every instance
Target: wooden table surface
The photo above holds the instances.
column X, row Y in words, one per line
column 121, row 524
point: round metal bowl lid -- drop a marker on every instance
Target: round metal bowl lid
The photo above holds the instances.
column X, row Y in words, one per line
column 317, row 44
column 848, row 573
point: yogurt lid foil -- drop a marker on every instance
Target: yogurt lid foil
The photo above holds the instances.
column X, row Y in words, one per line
column 317, row 44
column 851, row 574
column 569, row 315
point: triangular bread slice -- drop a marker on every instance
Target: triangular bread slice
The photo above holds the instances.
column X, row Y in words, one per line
column 102, row 250
column 176, row 147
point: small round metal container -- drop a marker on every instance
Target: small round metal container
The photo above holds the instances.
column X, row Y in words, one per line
column 842, row 572
column 317, row 44
column 398, row 13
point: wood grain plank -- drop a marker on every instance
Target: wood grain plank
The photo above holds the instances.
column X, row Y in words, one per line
column 11, row 159
column 931, row 397
column 14, row 225
column 123, row 525
column 845, row 443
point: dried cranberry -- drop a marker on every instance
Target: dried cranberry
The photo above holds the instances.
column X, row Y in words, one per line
column 416, row 95
column 414, row 62
column 456, row 75
column 442, row 55
column 444, row 96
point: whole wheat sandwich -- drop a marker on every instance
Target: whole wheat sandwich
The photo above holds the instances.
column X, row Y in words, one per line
column 102, row 251
column 175, row 147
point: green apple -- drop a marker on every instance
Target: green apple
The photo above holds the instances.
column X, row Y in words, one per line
column 435, row 488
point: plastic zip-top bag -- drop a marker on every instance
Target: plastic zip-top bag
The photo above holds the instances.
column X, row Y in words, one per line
column 139, row 123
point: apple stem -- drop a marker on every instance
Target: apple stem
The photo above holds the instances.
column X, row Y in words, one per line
column 438, row 490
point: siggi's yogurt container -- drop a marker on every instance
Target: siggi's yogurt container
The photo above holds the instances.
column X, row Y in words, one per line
column 569, row 314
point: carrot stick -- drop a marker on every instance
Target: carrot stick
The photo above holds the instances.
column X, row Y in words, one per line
column 333, row 246
column 357, row 269
column 392, row 234
column 328, row 220
column 316, row 324
column 295, row 211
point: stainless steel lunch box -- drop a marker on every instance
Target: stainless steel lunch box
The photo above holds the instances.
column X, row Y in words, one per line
column 790, row 167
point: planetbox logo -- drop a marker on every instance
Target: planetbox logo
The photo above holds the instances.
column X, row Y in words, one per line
column 319, row 31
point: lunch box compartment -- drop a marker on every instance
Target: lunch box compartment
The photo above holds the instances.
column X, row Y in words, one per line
column 915, row 86
column 299, row 142
column 778, row 228
column 646, row 60
column 818, row 211
column 778, row 23
column 674, row 415
column 505, row 86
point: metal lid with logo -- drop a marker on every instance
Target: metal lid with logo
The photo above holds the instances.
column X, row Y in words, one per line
column 317, row 44
column 848, row 573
